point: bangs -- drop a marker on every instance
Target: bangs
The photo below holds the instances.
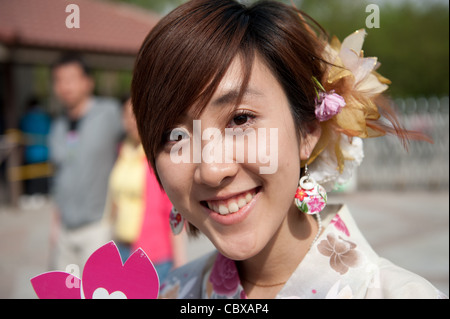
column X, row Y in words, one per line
column 183, row 61
column 247, row 60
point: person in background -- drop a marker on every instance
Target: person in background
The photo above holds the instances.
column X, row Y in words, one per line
column 83, row 148
column 138, row 208
column 35, row 125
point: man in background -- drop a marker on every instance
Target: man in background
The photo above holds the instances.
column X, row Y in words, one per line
column 83, row 146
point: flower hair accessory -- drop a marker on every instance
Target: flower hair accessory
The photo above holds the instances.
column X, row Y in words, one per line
column 350, row 107
column 327, row 104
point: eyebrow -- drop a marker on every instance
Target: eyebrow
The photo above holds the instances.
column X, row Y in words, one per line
column 231, row 96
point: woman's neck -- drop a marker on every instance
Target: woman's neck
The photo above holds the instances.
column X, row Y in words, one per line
column 265, row 274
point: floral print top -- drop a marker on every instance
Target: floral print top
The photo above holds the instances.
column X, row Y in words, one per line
column 340, row 265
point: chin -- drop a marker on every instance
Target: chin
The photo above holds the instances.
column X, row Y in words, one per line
column 238, row 247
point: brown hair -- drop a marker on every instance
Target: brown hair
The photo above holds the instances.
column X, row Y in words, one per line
column 184, row 58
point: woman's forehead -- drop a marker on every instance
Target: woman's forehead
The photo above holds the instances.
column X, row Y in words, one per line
column 233, row 89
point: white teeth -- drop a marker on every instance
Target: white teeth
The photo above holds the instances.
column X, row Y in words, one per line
column 223, row 210
column 242, row 202
column 230, row 206
column 233, row 207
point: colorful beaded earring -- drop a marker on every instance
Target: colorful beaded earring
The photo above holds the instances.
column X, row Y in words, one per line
column 176, row 221
column 311, row 198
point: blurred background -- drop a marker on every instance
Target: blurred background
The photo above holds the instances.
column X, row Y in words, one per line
column 400, row 198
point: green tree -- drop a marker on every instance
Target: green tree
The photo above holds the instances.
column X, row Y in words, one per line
column 412, row 42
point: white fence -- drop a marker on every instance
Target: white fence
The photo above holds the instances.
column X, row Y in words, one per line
column 424, row 166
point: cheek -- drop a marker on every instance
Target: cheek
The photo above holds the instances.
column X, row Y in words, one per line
column 170, row 176
column 288, row 173
column 60, row 87
column 289, row 147
column 176, row 180
column 280, row 186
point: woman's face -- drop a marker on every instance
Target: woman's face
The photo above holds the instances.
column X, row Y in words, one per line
column 240, row 209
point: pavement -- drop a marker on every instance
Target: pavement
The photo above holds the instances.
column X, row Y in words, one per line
column 409, row 228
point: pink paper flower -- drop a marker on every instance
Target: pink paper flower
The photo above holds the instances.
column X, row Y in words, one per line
column 328, row 105
column 224, row 276
column 104, row 276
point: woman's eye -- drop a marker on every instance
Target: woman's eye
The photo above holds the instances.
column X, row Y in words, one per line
column 176, row 135
column 242, row 119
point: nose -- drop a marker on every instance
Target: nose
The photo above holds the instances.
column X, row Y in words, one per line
column 215, row 174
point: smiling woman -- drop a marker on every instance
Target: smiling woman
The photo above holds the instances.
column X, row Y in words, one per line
column 256, row 68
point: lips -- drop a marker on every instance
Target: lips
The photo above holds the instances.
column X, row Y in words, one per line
column 232, row 204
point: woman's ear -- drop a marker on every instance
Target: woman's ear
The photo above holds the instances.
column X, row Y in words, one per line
column 309, row 140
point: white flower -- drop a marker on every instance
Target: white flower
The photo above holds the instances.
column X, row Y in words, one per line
column 362, row 68
column 325, row 168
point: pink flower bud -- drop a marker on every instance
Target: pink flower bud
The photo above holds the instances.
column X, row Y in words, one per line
column 328, row 105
